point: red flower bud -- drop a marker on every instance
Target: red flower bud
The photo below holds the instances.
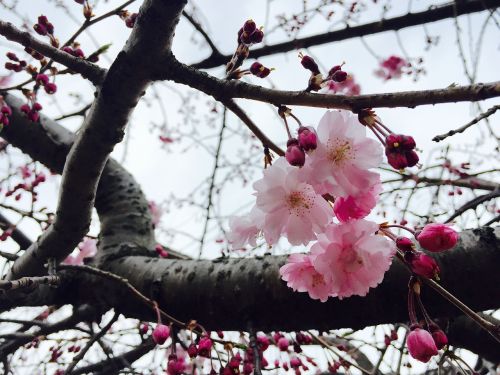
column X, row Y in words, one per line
column 283, row 344
column 421, row 345
column 259, row 70
column 440, row 338
column 161, row 333
column 405, row 244
column 307, row 137
column 249, row 26
column 423, row 265
column 257, row 36
column 192, row 351
column 339, row 76
column 204, row 347
column 42, row 79
column 50, row 88
column 294, row 154
column 309, row 63
column 437, row 237
column 6, row 110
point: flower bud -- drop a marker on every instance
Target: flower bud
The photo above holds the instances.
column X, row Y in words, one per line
column 259, row 70
column 307, row 137
column 257, row 36
column 42, row 79
column 405, row 244
column 437, row 237
column 421, row 345
column 283, row 344
column 339, row 76
column 423, row 265
column 50, row 88
column 161, row 333
column 294, row 154
column 309, row 63
column 6, row 110
column 440, row 338
column 204, row 347
column 249, row 26
column 192, row 351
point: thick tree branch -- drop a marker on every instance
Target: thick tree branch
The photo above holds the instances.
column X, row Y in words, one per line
column 223, row 90
column 102, row 129
column 88, row 70
column 433, row 14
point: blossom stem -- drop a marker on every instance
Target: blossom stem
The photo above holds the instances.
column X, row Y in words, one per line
column 411, row 303
column 401, row 227
column 491, row 328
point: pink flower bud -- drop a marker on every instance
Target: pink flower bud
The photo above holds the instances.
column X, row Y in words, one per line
column 42, row 79
column 440, row 338
column 204, row 347
column 192, row 351
column 50, row 88
column 6, row 110
column 423, row 265
column 294, row 154
column 161, row 333
column 339, row 76
column 437, row 237
column 308, row 139
column 283, row 344
column 404, row 244
column 37, row 106
column 40, row 29
column 421, row 345
column 25, row 108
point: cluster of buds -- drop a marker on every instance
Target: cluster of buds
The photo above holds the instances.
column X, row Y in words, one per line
column 399, row 148
column 74, row 348
column 5, row 113
column 55, row 353
column 74, row 50
column 248, row 34
column 31, row 112
column 128, row 18
column 316, row 80
column 297, row 147
column 15, row 64
column 45, row 28
column 422, row 344
column 43, row 80
column 421, row 264
column 27, row 186
column 259, row 70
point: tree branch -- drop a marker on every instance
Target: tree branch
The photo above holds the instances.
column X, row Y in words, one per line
column 102, row 129
column 223, row 90
column 433, row 14
column 90, row 71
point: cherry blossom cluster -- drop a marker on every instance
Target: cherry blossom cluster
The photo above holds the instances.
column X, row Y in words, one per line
column 348, row 257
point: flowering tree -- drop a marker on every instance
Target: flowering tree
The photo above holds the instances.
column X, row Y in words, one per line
column 348, row 226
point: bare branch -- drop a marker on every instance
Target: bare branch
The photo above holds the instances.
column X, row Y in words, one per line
column 461, row 129
column 433, row 14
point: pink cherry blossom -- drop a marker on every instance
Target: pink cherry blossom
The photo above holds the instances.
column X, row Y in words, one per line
column 245, row 229
column 346, row 87
column 301, row 276
column 88, row 248
column 290, row 206
column 357, row 207
column 392, row 67
column 340, row 165
column 352, row 258
column 156, row 212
